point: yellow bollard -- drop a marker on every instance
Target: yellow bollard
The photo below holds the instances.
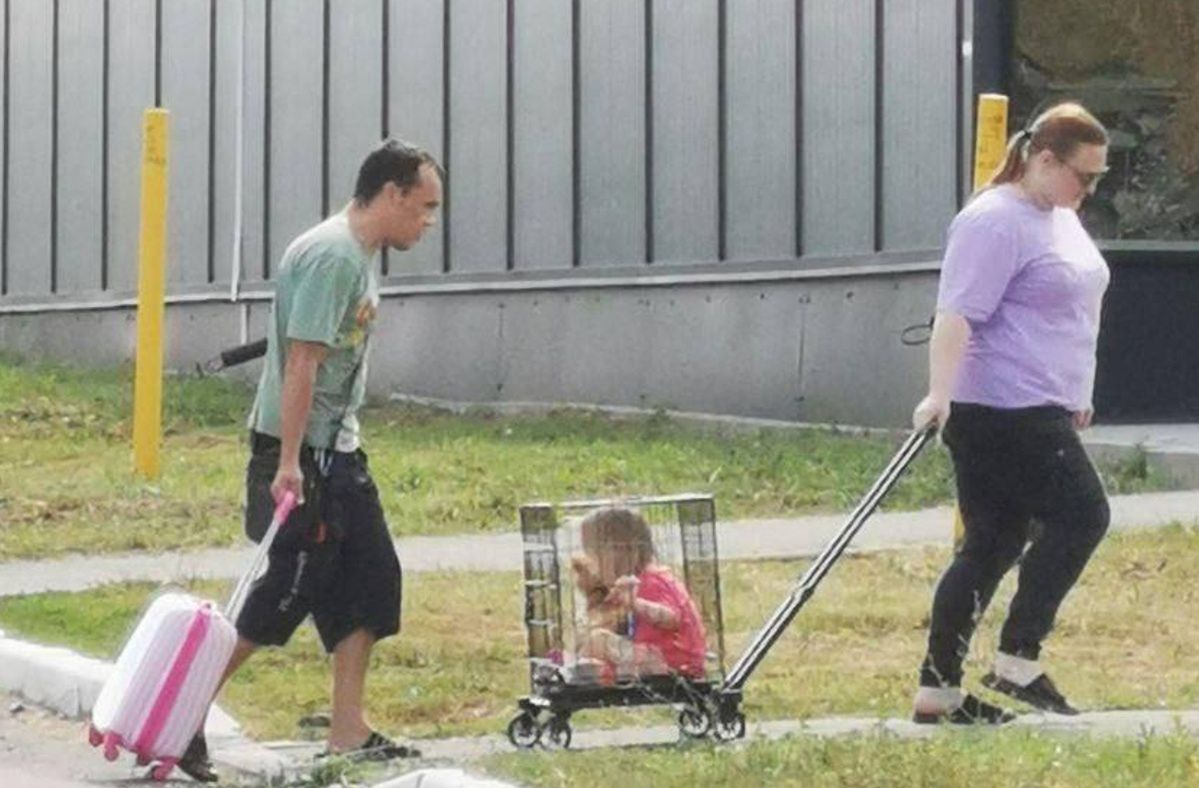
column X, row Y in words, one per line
column 990, row 146
column 990, row 137
column 151, row 276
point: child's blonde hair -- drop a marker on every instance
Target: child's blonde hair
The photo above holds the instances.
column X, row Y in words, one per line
column 618, row 540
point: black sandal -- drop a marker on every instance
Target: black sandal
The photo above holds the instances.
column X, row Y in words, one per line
column 972, row 711
column 377, row 747
column 1042, row 693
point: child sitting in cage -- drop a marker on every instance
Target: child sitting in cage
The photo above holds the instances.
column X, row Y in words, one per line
column 641, row 619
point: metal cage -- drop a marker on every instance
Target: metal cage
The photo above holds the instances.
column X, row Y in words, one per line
column 683, row 530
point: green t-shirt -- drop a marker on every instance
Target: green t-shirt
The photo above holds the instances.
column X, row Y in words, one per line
column 325, row 291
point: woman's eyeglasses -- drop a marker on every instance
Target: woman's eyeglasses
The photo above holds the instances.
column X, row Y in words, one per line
column 1088, row 180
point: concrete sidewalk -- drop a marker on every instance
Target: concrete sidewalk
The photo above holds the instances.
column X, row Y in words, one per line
column 1130, row 723
column 778, row 538
column 462, row 751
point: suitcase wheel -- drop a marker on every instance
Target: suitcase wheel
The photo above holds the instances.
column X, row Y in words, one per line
column 110, row 746
column 162, row 771
column 94, row 737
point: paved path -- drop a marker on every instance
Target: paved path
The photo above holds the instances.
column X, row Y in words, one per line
column 779, row 538
column 1098, row 723
column 463, row 750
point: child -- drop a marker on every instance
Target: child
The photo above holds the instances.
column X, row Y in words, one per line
column 642, row 620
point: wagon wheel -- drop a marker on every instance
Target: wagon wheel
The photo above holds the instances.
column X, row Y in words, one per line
column 694, row 723
column 557, row 734
column 523, row 731
column 730, row 727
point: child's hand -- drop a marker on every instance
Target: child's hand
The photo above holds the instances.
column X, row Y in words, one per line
column 624, row 591
column 587, row 577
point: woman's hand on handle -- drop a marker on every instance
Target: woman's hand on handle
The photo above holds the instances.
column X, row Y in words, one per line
column 931, row 410
column 946, row 348
column 1082, row 418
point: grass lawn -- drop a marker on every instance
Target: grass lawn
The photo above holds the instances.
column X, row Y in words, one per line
column 66, row 483
column 1126, row 639
column 979, row 759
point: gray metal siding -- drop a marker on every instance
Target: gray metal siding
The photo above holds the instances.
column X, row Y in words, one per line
column 543, row 158
column 185, row 35
column 618, row 133
column 478, row 153
column 415, row 69
column 130, row 92
column 612, row 135
column 254, row 259
column 29, row 128
column 80, row 184
column 355, row 93
column 686, row 188
column 919, row 155
column 838, row 127
column 296, row 115
column 762, row 144
column 226, row 51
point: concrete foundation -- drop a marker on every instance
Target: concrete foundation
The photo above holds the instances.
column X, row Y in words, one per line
column 824, row 348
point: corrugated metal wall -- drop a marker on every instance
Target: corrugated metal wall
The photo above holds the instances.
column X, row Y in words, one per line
column 578, row 133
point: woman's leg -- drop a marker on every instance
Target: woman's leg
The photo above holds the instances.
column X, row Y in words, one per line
column 993, row 542
column 996, row 528
column 1072, row 509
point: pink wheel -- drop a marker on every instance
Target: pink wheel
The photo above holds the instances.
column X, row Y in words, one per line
column 162, row 771
column 94, row 737
column 143, row 759
column 110, row 749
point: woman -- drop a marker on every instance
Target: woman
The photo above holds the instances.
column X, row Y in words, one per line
column 1012, row 367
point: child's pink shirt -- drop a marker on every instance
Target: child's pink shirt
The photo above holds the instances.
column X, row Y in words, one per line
column 682, row 649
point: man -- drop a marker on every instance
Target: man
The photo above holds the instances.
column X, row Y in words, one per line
column 334, row 558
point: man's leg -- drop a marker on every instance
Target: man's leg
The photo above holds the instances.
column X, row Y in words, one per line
column 351, row 657
column 241, row 652
column 364, row 603
column 195, row 762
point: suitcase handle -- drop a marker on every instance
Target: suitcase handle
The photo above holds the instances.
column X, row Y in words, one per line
column 284, row 507
column 238, row 598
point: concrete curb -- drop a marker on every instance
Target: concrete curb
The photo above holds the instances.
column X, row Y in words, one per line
column 1178, row 464
column 68, row 683
column 712, row 421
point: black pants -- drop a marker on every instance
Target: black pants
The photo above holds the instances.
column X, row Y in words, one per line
column 1023, row 479
column 333, row 559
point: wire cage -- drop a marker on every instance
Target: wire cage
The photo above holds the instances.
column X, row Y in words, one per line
column 598, row 576
column 622, row 608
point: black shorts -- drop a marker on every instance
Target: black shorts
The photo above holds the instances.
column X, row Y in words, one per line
column 333, row 558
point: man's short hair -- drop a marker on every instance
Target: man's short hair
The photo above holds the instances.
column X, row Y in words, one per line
column 395, row 161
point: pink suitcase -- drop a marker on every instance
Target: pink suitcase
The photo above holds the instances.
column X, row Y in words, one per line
column 159, row 691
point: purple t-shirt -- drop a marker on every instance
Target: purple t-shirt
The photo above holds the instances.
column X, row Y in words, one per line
column 1030, row 282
